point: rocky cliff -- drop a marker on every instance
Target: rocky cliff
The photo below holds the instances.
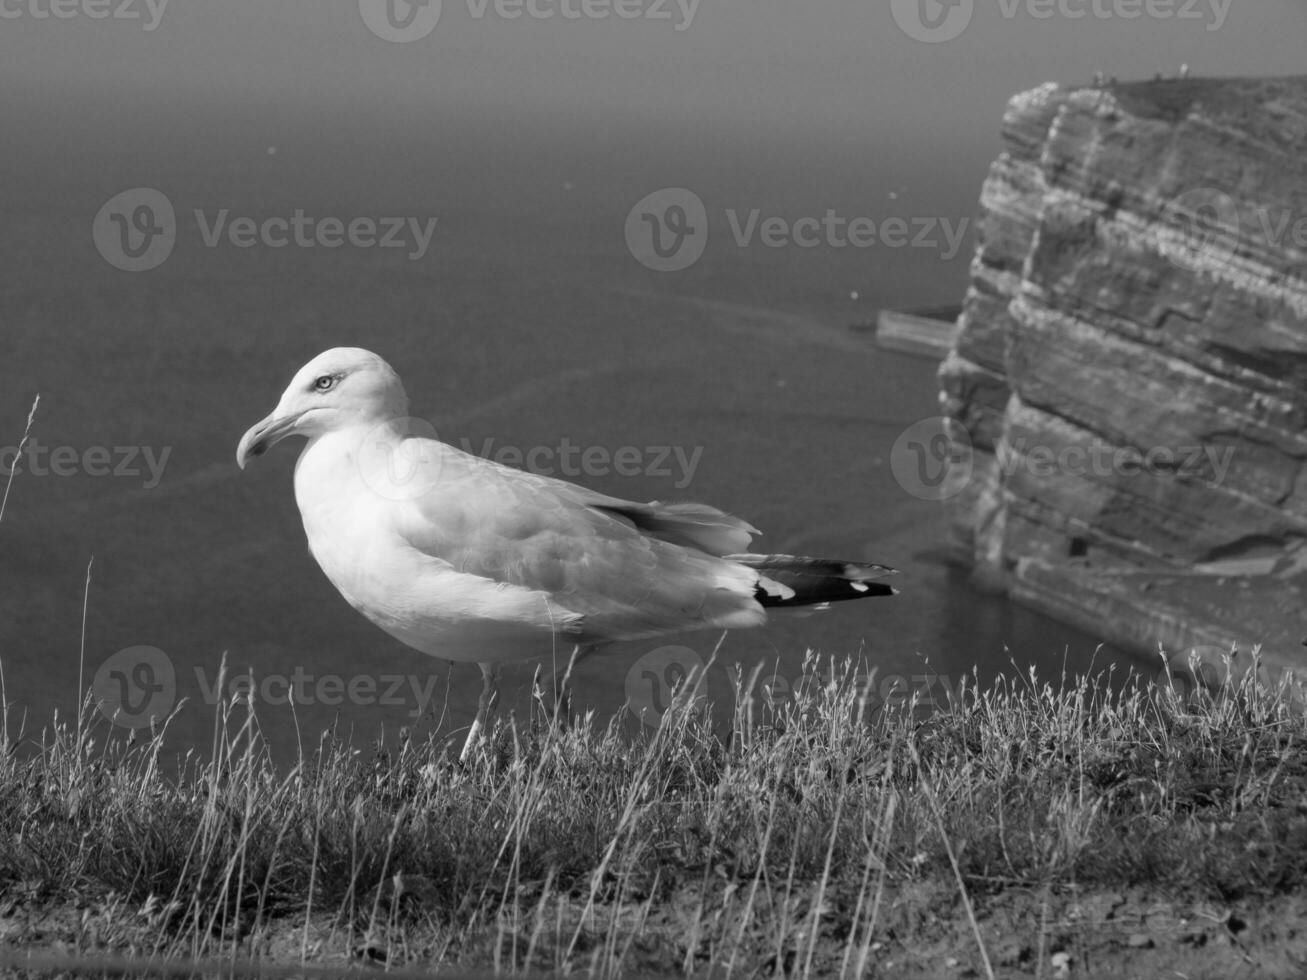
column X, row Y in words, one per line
column 1127, row 396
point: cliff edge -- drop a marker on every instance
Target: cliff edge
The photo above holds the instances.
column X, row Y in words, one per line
column 1127, row 395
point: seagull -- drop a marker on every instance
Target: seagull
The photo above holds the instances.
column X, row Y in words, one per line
column 472, row 561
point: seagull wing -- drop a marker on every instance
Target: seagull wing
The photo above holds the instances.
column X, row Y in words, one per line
column 629, row 570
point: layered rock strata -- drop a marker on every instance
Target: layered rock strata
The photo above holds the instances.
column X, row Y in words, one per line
column 1127, row 395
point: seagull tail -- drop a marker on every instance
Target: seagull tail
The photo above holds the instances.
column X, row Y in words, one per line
column 787, row 580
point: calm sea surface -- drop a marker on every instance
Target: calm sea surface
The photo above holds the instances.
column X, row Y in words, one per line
column 527, row 324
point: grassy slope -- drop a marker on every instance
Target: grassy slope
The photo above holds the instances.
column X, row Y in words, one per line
column 1024, row 824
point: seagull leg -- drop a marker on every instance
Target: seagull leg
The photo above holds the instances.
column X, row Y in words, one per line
column 489, row 694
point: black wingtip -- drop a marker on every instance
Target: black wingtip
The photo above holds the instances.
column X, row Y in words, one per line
column 870, row 589
column 789, row 580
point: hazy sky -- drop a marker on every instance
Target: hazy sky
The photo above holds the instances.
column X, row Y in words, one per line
column 757, row 64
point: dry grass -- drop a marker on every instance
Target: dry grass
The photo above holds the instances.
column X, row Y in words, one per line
column 769, row 847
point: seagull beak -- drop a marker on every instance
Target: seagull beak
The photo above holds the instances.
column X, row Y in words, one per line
column 263, row 435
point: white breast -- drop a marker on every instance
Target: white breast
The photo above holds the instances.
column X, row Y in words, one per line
column 419, row 599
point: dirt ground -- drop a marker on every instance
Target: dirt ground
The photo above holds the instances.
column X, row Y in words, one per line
column 1093, row 933
column 923, row 930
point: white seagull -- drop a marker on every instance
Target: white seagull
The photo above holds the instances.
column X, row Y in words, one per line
column 471, row 561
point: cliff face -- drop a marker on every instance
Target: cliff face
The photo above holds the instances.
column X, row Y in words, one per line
column 1128, row 391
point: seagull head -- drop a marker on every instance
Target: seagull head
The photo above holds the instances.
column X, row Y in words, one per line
column 340, row 387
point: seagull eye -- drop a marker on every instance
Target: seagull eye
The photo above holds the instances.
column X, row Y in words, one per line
column 325, row 383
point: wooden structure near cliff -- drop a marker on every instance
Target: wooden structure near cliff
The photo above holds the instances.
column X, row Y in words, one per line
column 1127, row 396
